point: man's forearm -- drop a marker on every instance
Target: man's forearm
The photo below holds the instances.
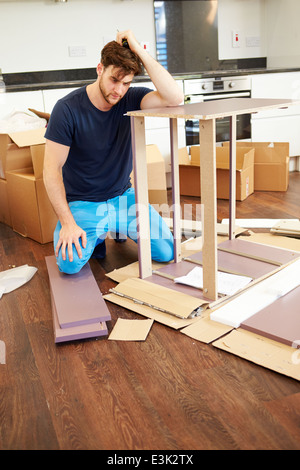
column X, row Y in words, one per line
column 57, row 196
column 169, row 92
column 162, row 79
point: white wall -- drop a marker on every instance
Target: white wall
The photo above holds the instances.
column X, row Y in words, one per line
column 283, row 33
column 246, row 17
column 35, row 34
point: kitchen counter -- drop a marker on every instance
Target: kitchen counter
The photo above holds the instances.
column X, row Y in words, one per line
column 31, row 81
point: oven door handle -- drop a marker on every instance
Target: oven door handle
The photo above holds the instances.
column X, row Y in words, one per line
column 242, row 94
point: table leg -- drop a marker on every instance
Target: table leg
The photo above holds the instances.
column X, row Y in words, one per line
column 175, row 189
column 141, row 195
column 232, row 172
column 207, row 130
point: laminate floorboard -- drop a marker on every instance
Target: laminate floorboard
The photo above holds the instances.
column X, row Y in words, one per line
column 169, row 392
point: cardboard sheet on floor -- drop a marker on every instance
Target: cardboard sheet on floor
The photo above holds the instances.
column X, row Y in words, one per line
column 149, row 312
column 77, row 297
column 262, row 351
column 206, row 330
column 160, row 298
column 91, row 330
column 279, row 321
column 130, row 330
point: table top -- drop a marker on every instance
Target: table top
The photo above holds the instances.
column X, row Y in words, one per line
column 216, row 109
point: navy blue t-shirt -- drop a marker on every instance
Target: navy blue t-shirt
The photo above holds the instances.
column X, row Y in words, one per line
column 99, row 163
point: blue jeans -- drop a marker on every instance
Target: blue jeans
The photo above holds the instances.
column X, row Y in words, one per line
column 116, row 215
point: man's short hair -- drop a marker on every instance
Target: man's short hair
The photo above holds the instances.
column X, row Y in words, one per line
column 121, row 57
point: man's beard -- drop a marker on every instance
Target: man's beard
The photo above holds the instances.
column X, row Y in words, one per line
column 107, row 96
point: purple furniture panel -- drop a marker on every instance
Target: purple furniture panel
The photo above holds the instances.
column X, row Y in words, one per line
column 279, row 321
column 77, row 297
column 76, row 332
column 241, row 265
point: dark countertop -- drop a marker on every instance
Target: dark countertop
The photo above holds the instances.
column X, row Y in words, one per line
column 59, row 79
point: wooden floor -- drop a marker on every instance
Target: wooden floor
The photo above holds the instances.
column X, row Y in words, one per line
column 168, row 392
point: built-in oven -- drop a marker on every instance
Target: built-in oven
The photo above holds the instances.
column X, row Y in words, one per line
column 209, row 89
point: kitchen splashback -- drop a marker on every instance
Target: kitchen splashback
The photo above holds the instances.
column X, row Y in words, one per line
column 187, row 37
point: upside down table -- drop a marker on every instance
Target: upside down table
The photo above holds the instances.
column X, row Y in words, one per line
column 206, row 113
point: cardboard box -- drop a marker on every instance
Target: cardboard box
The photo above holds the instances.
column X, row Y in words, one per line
column 31, row 212
column 271, row 165
column 16, row 149
column 189, row 172
column 4, row 206
column 156, row 174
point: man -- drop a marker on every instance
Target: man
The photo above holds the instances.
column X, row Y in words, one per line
column 88, row 156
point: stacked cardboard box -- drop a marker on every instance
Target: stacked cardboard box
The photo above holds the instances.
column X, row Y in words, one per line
column 23, row 199
column 189, row 172
column 271, row 165
column 156, row 176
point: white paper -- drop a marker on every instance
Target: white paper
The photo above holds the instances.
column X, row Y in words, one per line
column 228, row 284
column 15, row 277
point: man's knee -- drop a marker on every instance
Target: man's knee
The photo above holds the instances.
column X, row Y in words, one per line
column 70, row 267
column 163, row 251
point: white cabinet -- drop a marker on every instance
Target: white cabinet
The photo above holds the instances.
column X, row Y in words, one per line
column 52, row 96
column 20, row 101
column 280, row 125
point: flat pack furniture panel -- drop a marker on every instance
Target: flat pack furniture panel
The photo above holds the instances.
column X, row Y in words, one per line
column 258, row 296
column 207, row 111
column 280, row 321
column 77, row 297
column 91, row 330
column 236, row 256
column 289, row 228
column 215, row 109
